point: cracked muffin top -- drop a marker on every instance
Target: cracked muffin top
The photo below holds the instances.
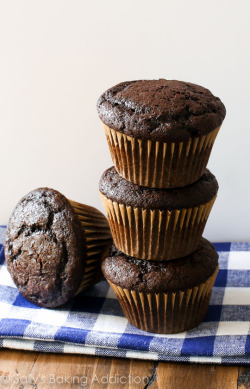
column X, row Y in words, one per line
column 45, row 248
column 117, row 189
column 160, row 110
column 169, row 276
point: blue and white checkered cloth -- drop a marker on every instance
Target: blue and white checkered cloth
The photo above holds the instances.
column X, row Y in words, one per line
column 93, row 322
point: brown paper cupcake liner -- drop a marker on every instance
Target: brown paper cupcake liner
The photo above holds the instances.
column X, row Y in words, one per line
column 155, row 234
column 160, row 164
column 166, row 313
column 97, row 238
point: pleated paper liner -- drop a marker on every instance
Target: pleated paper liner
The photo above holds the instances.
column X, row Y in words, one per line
column 160, row 164
column 98, row 240
column 166, row 313
column 153, row 234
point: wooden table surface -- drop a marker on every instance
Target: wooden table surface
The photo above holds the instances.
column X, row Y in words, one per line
column 20, row 369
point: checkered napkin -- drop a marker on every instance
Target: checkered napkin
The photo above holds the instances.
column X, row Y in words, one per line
column 93, row 322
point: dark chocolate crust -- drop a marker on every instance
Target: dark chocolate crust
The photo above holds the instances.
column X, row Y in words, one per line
column 160, row 110
column 45, row 248
column 117, row 189
column 169, row 276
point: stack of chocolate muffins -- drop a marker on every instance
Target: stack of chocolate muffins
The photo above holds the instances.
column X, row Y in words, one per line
column 158, row 198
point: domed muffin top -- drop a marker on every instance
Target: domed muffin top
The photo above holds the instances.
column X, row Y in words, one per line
column 168, row 276
column 160, row 110
column 45, row 248
column 117, row 189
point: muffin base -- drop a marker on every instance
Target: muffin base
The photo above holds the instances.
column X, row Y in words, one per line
column 154, row 234
column 97, row 239
column 160, row 164
column 166, row 313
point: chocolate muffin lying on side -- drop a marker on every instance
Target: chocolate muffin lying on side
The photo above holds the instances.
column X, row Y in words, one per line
column 157, row 224
column 54, row 246
column 163, row 297
column 160, row 132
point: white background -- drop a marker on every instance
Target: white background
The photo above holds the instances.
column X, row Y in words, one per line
column 58, row 56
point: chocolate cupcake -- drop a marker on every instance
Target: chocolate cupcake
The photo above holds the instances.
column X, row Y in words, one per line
column 163, row 297
column 160, row 132
column 54, row 246
column 157, row 224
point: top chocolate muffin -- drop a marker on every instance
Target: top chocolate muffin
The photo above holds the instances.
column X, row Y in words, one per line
column 160, row 110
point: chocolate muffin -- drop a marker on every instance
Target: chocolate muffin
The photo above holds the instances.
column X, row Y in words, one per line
column 157, row 224
column 160, row 132
column 163, row 297
column 47, row 247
